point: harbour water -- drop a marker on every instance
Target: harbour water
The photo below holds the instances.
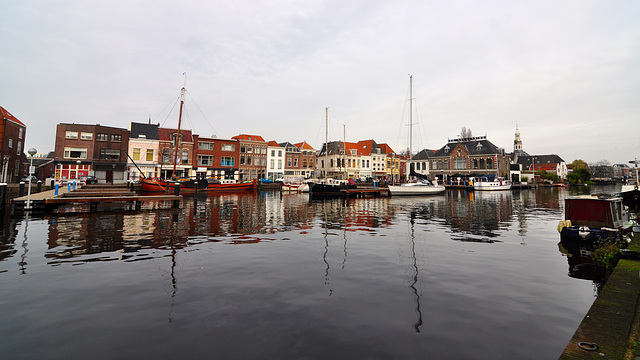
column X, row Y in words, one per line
column 278, row 276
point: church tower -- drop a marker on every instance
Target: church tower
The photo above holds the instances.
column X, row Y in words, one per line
column 517, row 143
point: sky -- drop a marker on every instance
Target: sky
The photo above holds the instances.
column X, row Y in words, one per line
column 565, row 73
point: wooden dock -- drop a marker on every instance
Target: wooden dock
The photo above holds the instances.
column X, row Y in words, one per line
column 93, row 195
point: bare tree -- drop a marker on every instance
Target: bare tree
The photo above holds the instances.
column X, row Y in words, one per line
column 465, row 133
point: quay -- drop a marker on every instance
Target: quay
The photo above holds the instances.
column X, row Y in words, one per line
column 362, row 192
column 611, row 327
column 89, row 194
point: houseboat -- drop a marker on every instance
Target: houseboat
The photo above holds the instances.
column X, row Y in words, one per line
column 594, row 219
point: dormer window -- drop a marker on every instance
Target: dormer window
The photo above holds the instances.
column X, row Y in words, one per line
column 479, row 147
column 447, row 148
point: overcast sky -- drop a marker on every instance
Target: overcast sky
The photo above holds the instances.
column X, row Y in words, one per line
column 566, row 72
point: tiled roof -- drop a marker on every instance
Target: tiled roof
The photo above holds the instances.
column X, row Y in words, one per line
column 248, row 137
column 304, row 145
column 9, row 116
column 273, row 143
column 478, row 146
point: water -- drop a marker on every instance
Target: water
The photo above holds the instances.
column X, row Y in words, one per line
column 241, row 276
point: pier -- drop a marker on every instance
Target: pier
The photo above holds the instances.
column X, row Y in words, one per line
column 93, row 195
column 611, row 327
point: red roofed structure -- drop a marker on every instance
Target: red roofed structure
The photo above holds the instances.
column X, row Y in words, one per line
column 13, row 134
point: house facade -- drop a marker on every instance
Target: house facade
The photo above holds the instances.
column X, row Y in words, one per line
column 466, row 157
column 170, row 154
column 275, row 161
column 144, row 147
column 253, row 157
column 552, row 164
column 82, row 150
column 216, row 158
column 308, row 159
column 13, row 134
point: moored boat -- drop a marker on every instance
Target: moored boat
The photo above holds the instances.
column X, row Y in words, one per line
column 490, row 183
column 594, row 219
column 163, row 185
column 424, row 187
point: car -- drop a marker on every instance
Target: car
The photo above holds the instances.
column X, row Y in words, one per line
column 26, row 179
column 90, row 180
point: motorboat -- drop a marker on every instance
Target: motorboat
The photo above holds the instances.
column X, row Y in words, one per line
column 491, row 183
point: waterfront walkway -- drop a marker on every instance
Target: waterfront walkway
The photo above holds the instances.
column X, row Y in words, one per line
column 611, row 328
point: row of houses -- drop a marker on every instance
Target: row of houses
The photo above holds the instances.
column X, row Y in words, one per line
column 117, row 155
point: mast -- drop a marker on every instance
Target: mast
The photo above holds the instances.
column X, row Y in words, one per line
column 326, row 144
column 344, row 145
column 410, row 122
column 175, row 150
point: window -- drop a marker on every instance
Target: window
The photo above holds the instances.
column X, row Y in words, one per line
column 10, row 143
column 489, row 163
column 166, row 156
column 71, row 135
column 280, row 153
column 249, row 149
column 288, row 162
column 249, row 160
column 227, row 161
column 202, row 145
column 272, row 164
column 280, row 164
column 75, row 153
column 109, row 154
column 86, row 136
column 116, row 137
column 20, row 132
column 475, row 163
column 273, row 153
column 228, row 147
column 102, row 137
column 149, row 154
column 459, row 164
column 205, row 160
column 136, row 154
column 185, row 156
column 19, row 147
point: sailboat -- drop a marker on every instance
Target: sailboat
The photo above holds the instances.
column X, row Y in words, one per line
column 422, row 187
column 327, row 187
column 189, row 185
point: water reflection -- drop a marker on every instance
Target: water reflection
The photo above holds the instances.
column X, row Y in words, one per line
column 341, row 278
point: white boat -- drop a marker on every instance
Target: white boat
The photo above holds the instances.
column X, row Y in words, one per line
column 423, row 187
column 487, row 183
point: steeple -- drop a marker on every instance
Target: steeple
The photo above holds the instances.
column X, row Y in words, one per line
column 517, row 143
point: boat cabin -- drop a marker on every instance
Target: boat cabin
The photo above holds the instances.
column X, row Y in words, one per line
column 596, row 211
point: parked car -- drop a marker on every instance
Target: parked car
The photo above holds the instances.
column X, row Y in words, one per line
column 26, row 179
column 89, row 180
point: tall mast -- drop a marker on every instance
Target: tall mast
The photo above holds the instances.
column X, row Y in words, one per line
column 410, row 122
column 326, row 143
column 344, row 145
column 175, row 150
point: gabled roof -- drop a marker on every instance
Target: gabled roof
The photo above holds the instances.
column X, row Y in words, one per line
column 165, row 134
column 7, row 115
column 526, row 161
column 304, row 145
column 248, row 137
column 475, row 146
column 424, row 154
column 144, row 131
column 386, row 149
column 273, row 143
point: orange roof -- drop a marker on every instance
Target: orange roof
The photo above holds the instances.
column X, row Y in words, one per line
column 248, row 137
column 387, row 149
column 273, row 143
column 304, row 145
column 9, row 116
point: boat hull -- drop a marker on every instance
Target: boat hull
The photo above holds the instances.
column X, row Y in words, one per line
column 490, row 186
column 164, row 186
column 396, row 190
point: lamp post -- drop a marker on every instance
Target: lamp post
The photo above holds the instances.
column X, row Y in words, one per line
column 31, row 152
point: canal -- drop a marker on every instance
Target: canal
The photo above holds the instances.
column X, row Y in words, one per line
column 277, row 276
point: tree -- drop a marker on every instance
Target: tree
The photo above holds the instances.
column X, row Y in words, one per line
column 579, row 164
column 465, row 133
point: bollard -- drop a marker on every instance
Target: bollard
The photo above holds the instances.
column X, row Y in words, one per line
column 3, row 196
column 69, row 186
column 39, row 186
column 21, row 189
column 74, row 184
column 52, row 184
column 57, row 186
column 196, row 188
column 176, row 189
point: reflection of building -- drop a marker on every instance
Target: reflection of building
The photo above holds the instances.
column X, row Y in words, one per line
column 97, row 150
column 12, row 134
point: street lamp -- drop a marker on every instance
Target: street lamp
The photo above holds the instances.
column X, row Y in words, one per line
column 31, row 152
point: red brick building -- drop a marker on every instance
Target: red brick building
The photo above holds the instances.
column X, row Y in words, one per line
column 217, row 158
column 97, row 150
column 167, row 153
column 13, row 134
column 252, row 156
